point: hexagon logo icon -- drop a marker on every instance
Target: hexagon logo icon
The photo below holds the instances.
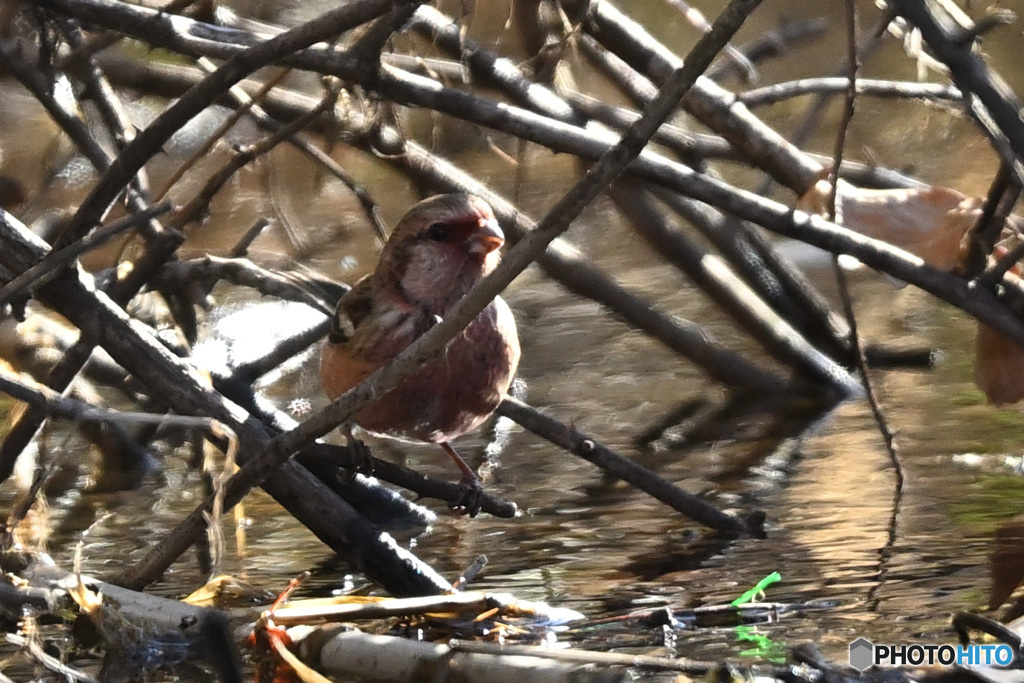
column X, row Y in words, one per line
column 862, row 654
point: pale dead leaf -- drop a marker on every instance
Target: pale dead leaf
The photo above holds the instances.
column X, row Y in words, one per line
column 998, row 361
column 998, row 367
column 929, row 223
column 224, row 588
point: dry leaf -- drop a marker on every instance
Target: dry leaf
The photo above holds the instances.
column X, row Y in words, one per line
column 225, row 588
column 998, row 361
column 930, row 223
column 998, row 367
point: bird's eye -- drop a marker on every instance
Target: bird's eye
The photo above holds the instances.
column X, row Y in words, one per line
column 437, row 232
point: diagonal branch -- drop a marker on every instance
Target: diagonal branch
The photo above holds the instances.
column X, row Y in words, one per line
column 999, row 113
column 149, row 141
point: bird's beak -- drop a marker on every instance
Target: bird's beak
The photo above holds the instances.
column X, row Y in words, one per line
column 487, row 238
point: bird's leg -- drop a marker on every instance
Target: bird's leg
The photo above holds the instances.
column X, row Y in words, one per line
column 468, row 475
column 362, row 458
column 469, row 500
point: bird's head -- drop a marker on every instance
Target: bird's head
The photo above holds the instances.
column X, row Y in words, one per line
column 441, row 248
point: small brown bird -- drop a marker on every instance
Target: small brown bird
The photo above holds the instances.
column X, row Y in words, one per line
column 441, row 248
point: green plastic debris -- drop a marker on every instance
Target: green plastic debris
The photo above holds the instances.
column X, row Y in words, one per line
column 757, row 590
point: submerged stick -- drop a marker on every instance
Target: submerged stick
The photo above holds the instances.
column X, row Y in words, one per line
column 350, row 653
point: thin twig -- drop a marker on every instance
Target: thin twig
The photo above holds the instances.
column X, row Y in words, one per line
column 149, row 141
column 55, row 260
column 640, row 477
column 193, row 210
column 56, row 405
column 241, row 271
column 779, row 92
column 222, row 129
column 849, row 104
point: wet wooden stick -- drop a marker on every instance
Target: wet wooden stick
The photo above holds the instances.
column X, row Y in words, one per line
column 242, row 272
column 491, row 67
column 992, row 102
column 718, row 280
column 636, row 475
column 711, row 104
column 776, row 280
column 178, row 384
column 55, row 260
column 160, row 242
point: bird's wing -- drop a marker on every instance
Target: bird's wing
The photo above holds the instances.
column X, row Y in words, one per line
column 352, row 309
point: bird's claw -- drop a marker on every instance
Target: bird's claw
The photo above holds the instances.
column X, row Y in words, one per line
column 362, row 458
column 469, row 499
